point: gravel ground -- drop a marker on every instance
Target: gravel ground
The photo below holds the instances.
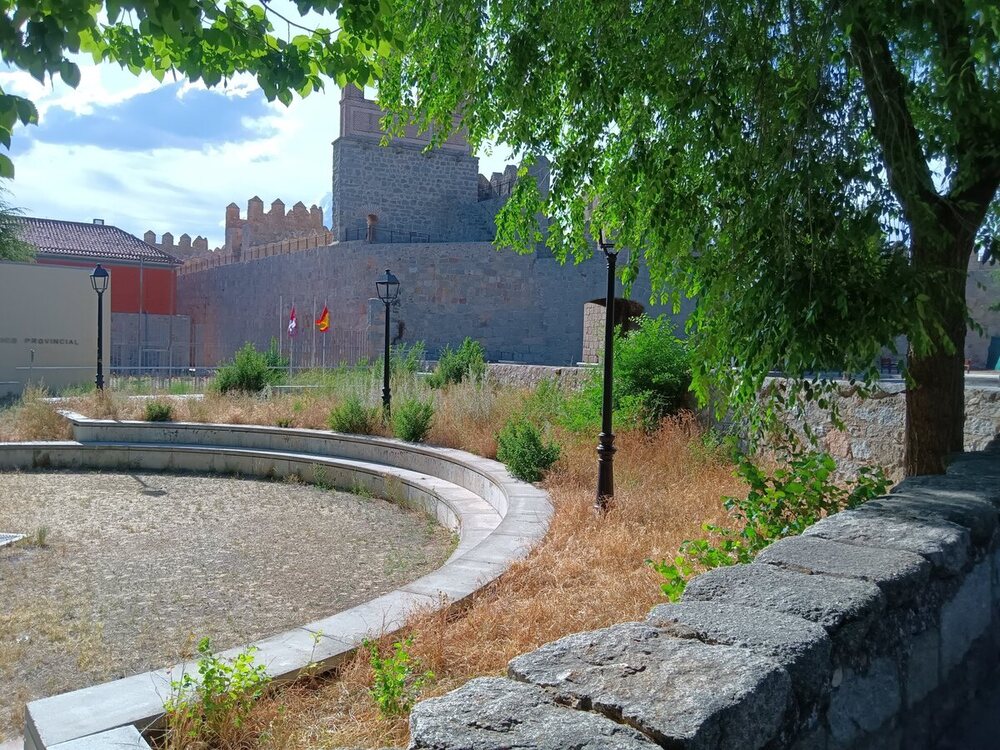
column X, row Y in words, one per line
column 133, row 568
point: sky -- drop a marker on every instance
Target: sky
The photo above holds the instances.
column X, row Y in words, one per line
column 170, row 157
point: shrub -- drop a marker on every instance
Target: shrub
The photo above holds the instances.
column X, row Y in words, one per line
column 220, row 698
column 411, row 420
column 37, row 419
column 520, row 446
column 273, row 358
column 406, row 359
column 396, row 682
column 454, row 366
column 354, row 416
column 158, row 411
column 781, row 504
column 249, row 372
column 651, row 375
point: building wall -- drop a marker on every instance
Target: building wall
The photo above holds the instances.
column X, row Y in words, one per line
column 522, row 308
column 158, row 286
column 53, row 311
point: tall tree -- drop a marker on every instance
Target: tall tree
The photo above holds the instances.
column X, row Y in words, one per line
column 815, row 173
column 199, row 39
column 12, row 247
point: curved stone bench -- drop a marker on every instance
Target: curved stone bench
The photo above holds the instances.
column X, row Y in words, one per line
column 497, row 518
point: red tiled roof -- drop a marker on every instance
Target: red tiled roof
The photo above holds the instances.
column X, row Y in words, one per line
column 76, row 239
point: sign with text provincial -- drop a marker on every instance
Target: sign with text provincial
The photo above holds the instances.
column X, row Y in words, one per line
column 48, row 327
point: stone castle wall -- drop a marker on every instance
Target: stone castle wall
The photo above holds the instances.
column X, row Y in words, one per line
column 982, row 292
column 258, row 229
column 522, row 308
column 407, row 190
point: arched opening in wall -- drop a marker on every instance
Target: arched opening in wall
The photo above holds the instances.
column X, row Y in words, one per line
column 371, row 221
column 627, row 314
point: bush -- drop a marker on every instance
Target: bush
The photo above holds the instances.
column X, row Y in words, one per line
column 520, row 446
column 208, row 707
column 411, row 420
column 250, row 371
column 272, row 356
column 354, row 416
column 158, row 411
column 406, row 359
column 651, row 375
column 777, row 505
column 397, row 679
column 469, row 360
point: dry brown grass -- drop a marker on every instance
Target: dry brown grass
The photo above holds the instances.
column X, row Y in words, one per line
column 34, row 419
column 589, row 572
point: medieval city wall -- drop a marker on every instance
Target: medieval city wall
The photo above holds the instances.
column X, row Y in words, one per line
column 982, row 291
column 522, row 308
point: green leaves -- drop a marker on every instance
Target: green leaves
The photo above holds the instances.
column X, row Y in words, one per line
column 737, row 152
column 200, row 41
column 780, row 504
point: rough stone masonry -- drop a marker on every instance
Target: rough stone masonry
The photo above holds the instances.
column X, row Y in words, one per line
column 874, row 629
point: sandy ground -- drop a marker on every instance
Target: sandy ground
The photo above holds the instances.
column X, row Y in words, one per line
column 133, row 568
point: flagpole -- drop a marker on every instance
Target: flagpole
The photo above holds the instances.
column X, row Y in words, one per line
column 281, row 325
column 324, row 341
column 291, row 343
column 314, row 334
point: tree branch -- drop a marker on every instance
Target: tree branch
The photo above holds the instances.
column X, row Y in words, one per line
column 909, row 174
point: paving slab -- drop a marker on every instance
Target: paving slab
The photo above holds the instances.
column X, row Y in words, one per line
column 900, row 575
column 493, row 713
column 800, row 646
column 845, row 608
column 681, row 693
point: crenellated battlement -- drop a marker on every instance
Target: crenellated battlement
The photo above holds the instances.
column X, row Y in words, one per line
column 184, row 248
column 259, row 228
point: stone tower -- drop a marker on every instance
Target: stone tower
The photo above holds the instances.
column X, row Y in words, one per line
column 398, row 192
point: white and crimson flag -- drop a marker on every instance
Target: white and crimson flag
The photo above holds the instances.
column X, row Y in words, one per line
column 292, row 324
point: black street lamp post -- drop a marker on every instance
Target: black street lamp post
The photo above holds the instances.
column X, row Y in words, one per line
column 99, row 280
column 388, row 291
column 606, row 440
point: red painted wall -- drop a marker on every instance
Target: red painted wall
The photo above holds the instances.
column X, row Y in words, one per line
column 159, row 287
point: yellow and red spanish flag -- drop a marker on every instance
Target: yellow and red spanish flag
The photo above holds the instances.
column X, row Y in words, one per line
column 323, row 321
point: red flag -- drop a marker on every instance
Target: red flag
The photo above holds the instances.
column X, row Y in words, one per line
column 323, row 321
column 292, row 324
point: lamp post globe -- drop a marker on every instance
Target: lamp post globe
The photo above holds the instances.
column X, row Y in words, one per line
column 388, row 291
column 99, row 281
column 606, row 439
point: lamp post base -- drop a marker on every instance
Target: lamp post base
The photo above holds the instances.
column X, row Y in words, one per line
column 605, row 472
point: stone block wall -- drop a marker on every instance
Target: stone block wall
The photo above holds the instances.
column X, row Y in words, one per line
column 874, row 428
column 982, row 291
column 404, row 188
column 522, row 308
column 877, row 628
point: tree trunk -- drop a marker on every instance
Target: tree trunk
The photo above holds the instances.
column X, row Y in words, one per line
column 935, row 404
